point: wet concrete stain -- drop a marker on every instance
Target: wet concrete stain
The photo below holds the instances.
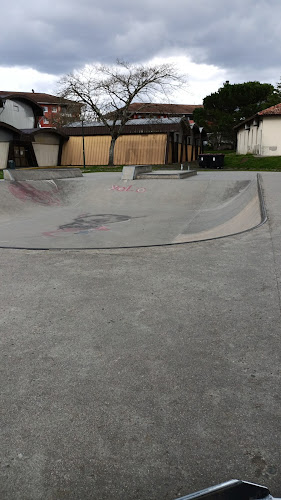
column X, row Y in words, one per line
column 261, row 467
column 236, row 189
column 85, row 223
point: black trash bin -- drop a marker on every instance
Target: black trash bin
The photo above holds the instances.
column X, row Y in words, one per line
column 11, row 164
column 209, row 160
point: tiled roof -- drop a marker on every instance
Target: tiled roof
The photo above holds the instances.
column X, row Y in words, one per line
column 39, row 98
column 128, row 129
column 166, row 109
column 273, row 110
column 139, row 126
column 134, row 121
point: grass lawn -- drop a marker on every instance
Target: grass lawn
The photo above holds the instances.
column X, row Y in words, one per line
column 101, row 168
column 232, row 161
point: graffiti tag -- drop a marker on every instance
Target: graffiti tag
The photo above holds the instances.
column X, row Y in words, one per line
column 129, row 188
column 85, row 223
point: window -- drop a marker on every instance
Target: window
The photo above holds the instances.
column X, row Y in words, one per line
column 45, row 109
column 45, row 121
column 16, row 107
column 54, row 109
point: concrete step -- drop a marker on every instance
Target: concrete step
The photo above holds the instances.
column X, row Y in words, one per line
column 167, row 174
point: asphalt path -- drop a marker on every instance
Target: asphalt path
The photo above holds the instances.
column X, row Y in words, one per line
column 142, row 373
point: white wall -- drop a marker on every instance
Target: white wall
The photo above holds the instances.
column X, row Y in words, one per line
column 47, row 138
column 264, row 140
column 18, row 114
column 249, row 140
column 4, row 150
column 271, row 137
column 46, row 154
column 242, row 141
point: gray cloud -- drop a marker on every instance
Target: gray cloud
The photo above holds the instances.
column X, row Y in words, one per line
column 242, row 37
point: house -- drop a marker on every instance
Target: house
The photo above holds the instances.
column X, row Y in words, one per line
column 56, row 110
column 21, row 140
column 261, row 134
column 143, row 141
column 158, row 110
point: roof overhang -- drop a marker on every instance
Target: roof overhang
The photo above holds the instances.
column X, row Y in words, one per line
column 37, row 110
column 240, row 124
column 28, row 134
column 55, row 131
column 21, row 135
column 10, row 128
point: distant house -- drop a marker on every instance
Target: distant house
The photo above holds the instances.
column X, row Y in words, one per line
column 55, row 109
column 143, row 141
column 20, row 138
column 261, row 134
column 158, row 110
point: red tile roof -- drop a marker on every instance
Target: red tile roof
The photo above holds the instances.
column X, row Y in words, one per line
column 273, row 110
column 39, row 98
column 167, row 109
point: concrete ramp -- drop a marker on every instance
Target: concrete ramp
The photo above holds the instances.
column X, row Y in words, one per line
column 101, row 211
column 235, row 215
column 39, row 174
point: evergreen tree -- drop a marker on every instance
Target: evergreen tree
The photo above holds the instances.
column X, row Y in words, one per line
column 231, row 104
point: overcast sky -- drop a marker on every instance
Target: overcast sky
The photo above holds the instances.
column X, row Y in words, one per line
column 210, row 40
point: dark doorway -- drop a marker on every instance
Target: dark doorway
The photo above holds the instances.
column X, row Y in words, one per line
column 23, row 154
column 20, row 156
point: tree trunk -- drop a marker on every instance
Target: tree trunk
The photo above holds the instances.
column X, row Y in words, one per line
column 111, row 152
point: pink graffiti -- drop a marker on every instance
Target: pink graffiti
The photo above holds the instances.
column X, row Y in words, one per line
column 24, row 192
column 123, row 188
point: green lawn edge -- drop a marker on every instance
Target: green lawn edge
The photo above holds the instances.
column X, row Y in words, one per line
column 232, row 161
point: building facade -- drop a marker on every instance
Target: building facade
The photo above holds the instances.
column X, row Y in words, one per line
column 143, row 141
column 56, row 110
column 261, row 133
column 21, row 141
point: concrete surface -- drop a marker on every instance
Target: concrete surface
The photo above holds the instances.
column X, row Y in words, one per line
column 142, row 373
column 102, row 211
column 39, row 174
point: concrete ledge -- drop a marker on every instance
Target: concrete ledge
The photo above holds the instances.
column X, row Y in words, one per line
column 131, row 172
column 168, row 174
column 34, row 174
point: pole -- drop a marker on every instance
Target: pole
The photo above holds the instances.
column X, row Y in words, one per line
column 84, row 163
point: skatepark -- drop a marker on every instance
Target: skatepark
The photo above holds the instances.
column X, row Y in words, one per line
column 140, row 346
column 104, row 211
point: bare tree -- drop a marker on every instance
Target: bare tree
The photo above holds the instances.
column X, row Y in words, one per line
column 108, row 91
